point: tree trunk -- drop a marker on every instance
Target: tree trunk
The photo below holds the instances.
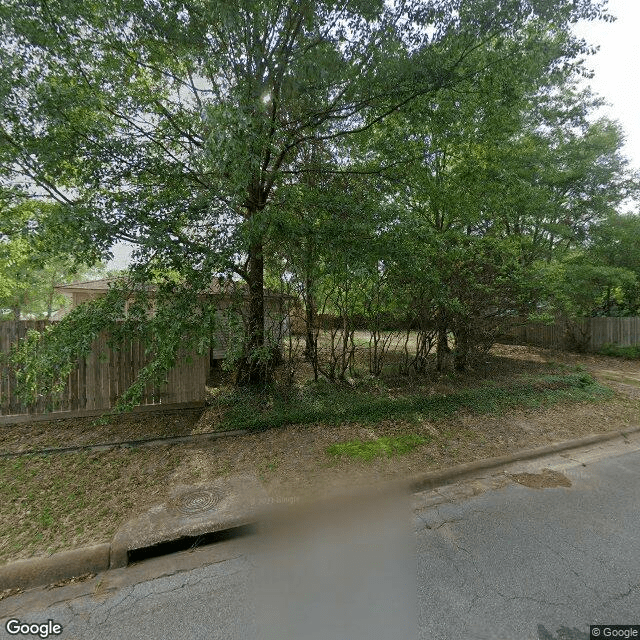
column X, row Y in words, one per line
column 254, row 367
column 50, row 307
column 462, row 349
column 442, row 348
column 16, row 313
column 310, row 343
column 52, row 293
column 311, row 338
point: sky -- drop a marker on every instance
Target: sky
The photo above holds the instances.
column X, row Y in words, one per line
column 616, row 78
column 617, row 69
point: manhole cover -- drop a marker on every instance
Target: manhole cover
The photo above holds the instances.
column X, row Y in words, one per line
column 197, row 501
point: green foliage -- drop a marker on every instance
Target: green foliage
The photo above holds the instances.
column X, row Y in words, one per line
column 578, row 288
column 328, row 404
column 33, row 259
column 224, row 119
column 630, row 353
column 613, row 244
column 403, row 160
column 369, row 449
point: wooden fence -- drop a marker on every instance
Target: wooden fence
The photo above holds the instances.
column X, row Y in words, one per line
column 594, row 333
column 99, row 379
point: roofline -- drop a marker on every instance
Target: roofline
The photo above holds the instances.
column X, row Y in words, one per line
column 70, row 284
column 71, row 288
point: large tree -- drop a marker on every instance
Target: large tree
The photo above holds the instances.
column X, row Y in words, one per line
column 178, row 125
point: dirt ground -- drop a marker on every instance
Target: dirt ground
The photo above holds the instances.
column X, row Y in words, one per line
column 547, row 478
column 69, row 500
column 82, row 431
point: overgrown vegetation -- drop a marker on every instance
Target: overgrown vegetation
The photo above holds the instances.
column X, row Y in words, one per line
column 423, row 171
column 329, row 404
column 631, row 353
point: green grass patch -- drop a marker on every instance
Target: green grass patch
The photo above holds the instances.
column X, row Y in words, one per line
column 329, row 404
column 49, row 502
column 369, row 449
column 630, row 353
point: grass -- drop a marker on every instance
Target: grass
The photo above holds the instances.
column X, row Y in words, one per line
column 328, row 404
column 630, row 353
column 72, row 499
column 369, row 449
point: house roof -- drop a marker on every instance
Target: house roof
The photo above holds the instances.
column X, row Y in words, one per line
column 104, row 285
column 59, row 314
column 87, row 285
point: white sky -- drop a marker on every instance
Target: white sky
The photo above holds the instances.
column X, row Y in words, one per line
column 121, row 256
column 617, row 69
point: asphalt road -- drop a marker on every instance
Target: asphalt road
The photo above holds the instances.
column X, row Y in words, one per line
column 543, row 564
column 512, row 563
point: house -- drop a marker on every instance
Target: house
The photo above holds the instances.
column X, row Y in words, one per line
column 276, row 307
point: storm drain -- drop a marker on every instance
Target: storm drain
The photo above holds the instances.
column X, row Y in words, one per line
column 192, row 517
column 188, row 543
column 197, row 501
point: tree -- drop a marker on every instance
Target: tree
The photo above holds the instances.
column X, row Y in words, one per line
column 561, row 177
column 179, row 126
column 27, row 288
column 33, row 259
column 582, row 289
column 489, row 187
column 614, row 243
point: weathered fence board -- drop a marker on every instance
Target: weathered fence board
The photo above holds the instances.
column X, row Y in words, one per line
column 98, row 380
column 623, row 332
column 596, row 332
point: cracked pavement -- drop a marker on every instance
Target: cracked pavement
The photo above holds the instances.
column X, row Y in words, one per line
column 519, row 563
column 496, row 560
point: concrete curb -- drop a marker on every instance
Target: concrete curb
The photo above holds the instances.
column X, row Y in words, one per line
column 35, row 572
column 438, row 478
